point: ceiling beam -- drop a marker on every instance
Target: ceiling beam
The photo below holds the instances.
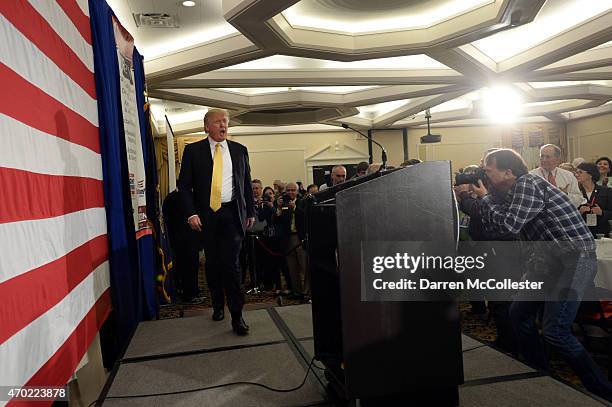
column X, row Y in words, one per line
column 251, row 78
column 210, row 100
column 231, row 100
column 469, row 61
column 556, row 117
column 264, row 24
column 596, row 111
column 584, row 75
column 226, row 51
column 590, row 59
column 250, row 16
column 414, row 107
column 583, row 37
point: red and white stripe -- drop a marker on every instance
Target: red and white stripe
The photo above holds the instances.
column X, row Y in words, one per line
column 54, row 274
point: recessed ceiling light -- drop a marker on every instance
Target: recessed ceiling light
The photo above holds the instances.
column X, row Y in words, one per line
column 189, row 3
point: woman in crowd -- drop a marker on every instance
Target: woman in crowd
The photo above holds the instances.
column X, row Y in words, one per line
column 597, row 210
column 604, row 165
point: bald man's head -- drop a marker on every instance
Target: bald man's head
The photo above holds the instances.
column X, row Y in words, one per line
column 338, row 175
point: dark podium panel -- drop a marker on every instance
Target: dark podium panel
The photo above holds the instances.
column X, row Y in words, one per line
column 383, row 349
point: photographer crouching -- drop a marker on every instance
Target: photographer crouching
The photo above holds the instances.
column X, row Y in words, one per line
column 539, row 211
column 499, row 310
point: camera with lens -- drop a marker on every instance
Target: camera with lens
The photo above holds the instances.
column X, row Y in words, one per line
column 471, row 176
column 285, row 199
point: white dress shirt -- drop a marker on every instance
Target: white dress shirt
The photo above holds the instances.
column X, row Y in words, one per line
column 565, row 180
column 227, row 189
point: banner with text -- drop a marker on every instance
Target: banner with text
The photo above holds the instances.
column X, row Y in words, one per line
column 133, row 142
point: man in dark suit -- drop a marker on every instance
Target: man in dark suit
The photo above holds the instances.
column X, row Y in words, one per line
column 215, row 184
column 185, row 251
column 292, row 232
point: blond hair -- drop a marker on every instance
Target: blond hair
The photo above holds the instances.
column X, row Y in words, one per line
column 215, row 110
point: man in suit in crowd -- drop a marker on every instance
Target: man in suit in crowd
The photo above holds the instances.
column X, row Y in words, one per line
column 361, row 170
column 292, row 231
column 338, row 176
column 215, row 184
column 550, row 158
column 279, row 187
column 185, row 252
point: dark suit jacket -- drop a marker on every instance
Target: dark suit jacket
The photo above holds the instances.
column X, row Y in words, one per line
column 284, row 221
column 196, row 177
column 181, row 236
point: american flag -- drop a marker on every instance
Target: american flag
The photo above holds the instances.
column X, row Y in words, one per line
column 54, row 277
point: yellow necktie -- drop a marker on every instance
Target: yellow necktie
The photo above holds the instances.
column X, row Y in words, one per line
column 217, row 179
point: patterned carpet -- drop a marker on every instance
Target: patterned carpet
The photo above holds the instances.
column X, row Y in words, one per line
column 261, row 299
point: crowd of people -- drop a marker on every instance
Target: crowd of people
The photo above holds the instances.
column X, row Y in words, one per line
column 275, row 246
column 568, row 207
column 588, row 185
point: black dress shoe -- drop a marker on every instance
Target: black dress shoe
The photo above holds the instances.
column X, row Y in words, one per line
column 240, row 327
column 218, row 315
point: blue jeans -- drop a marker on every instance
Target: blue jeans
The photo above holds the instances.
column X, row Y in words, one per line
column 577, row 272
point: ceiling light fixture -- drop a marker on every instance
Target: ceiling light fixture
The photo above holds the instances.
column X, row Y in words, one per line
column 189, row 3
column 501, row 104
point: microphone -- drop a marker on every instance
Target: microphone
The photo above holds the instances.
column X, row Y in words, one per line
column 383, row 153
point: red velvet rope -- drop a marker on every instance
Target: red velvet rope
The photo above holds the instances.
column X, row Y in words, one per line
column 273, row 253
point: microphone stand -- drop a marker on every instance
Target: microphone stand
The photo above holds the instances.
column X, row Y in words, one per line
column 383, row 153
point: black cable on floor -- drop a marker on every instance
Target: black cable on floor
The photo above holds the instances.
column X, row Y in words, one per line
column 133, row 396
column 294, row 344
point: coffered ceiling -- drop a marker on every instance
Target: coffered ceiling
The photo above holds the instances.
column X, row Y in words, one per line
column 376, row 64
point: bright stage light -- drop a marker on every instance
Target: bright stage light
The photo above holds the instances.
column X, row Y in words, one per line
column 501, row 104
column 189, row 3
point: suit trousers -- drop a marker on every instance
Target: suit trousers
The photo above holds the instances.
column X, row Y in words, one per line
column 222, row 243
column 296, row 260
column 558, row 316
column 186, row 265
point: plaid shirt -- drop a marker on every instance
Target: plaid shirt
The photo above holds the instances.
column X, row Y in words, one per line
column 540, row 211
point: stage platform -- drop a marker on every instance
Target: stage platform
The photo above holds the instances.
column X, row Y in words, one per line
column 180, row 354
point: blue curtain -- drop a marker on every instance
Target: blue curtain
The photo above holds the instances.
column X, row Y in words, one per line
column 128, row 285
column 146, row 244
